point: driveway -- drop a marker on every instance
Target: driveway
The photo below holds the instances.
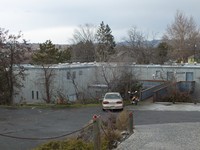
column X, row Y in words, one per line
column 166, row 135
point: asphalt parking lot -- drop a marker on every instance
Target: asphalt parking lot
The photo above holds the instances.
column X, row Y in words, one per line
column 39, row 123
column 152, row 121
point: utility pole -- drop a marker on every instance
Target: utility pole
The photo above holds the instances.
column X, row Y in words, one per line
column 195, row 52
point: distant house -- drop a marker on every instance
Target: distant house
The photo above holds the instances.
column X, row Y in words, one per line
column 191, row 59
column 194, row 58
column 122, row 56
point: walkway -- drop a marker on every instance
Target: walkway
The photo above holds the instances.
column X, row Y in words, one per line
column 177, row 136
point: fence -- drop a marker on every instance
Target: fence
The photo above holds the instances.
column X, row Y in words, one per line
column 186, row 86
column 151, row 83
column 147, row 93
column 97, row 129
column 160, row 93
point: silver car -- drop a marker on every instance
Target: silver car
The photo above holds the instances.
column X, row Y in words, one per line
column 112, row 100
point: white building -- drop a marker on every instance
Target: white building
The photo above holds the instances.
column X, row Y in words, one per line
column 90, row 79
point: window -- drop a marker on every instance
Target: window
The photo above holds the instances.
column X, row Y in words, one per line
column 37, row 95
column 170, row 76
column 68, row 75
column 32, row 94
column 80, row 72
column 158, row 74
column 189, row 76
column 74, row 75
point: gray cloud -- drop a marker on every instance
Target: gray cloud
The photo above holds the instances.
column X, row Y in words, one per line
column 50, row 16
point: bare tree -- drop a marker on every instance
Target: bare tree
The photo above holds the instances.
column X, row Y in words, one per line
column 182, row 35
column 12, row 52
column 84, row 34
column 120, row 78
column 48, row 82
column 72, row 75
column 139, row 47
column 83, row 43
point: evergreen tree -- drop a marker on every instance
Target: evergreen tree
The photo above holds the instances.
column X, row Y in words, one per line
column 49, row 54
column 162, row 52
column 84, row 51
column 46, row 56
column 105, row 43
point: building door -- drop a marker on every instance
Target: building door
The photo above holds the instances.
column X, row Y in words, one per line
column 189, row 76
column 170, row 76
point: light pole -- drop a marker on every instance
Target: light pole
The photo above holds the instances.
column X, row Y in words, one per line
column 194, row 52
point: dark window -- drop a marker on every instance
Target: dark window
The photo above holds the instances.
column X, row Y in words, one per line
column 37, row 95
column 80, row 72
column 158, row 74
column 32, row 94
column 170, row 76
column 68, row 75
column 74, row 75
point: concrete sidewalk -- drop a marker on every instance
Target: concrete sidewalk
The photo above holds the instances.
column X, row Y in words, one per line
column 165, row 106
column 172, row 136
column 170, row 107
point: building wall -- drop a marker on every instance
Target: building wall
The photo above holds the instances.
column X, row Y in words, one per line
column 64, row 80
column 85, row 75
column 173, row 73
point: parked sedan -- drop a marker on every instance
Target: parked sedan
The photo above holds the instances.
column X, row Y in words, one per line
column 112, row 100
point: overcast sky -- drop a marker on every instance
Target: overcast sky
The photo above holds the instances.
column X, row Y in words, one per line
column 41, row 20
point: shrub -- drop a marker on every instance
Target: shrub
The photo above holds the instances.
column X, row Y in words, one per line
column 87, row 101
column 178, row 97
column 71, row 144
column 122, row 120
column 110, row 139
column 110, row 122
column 110, row 134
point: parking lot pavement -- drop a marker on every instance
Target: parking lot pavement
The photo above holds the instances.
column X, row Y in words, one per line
column 173, row 136
column 39, row 123
column 178, row 136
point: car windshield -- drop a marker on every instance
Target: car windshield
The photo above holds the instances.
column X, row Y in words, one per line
column 112, row 96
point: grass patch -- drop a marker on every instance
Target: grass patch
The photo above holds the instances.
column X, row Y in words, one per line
column 127, row 102
column 44, row 106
